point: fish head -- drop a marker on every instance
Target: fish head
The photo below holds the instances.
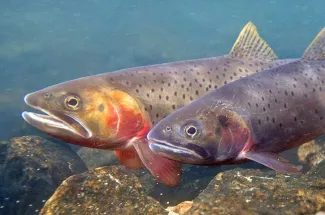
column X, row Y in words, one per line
column 198, row 135
column 87, row 112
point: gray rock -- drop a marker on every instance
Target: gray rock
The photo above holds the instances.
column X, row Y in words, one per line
column 31, row 168
column 105, row 190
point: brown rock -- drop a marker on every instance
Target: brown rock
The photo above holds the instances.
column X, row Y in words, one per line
column 106, row 190
column 181, row 208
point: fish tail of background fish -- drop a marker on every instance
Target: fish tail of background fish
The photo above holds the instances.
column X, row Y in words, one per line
column 248, row 46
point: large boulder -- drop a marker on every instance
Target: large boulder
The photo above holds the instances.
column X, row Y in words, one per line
column 31, row 168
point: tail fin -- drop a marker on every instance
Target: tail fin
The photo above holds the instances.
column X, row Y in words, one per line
column 316, row 50
column 250, row 45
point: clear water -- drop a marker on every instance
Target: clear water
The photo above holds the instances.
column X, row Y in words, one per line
column 46, row 42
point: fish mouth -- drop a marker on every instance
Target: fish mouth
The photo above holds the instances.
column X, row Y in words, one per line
column 54, row 122
column 196, row 154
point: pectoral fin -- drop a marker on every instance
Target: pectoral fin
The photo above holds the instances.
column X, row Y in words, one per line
column 273, row 161
column 129, row 159
column 166, row 171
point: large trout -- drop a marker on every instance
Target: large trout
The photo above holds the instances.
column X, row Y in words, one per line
column 116, row 110
column 253, row 118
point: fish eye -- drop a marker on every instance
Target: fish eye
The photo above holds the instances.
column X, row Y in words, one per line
column 72, row 102
column 191, row 131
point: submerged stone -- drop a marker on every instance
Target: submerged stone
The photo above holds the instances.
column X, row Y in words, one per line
column 240, row 191
column 105, row 190
column 31, row 168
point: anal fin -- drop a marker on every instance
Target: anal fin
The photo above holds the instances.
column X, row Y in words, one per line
column 273, row 161
column 166, row 171
column 316, row 50
column 250, row 45
column 129, row 159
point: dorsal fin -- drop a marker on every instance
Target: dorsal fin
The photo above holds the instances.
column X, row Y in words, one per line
column 316, row 50
column 249, row 45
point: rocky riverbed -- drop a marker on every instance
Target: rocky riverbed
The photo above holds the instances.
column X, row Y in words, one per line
column 38, row 176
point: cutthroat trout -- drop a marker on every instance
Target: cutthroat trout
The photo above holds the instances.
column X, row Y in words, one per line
column 116, row 110
column 253, row 118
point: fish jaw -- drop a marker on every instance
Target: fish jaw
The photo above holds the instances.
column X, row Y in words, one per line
column 54, row 123
column 196, row 155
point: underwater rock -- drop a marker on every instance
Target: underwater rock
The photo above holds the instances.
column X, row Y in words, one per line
column 31, row 168
column 311, row 154
column 251, row 191
column 97, row 157
column 181, row 208
column 105, row 190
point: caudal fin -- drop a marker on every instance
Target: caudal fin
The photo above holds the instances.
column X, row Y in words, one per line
column 316, row 50
column 250, row 45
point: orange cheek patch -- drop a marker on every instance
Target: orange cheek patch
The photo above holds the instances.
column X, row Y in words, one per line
column 111, row 116
column 131, row 119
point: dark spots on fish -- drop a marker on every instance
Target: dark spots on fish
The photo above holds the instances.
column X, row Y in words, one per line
column 153, row 122
column 146, row 109
column 140, row 85
column 111, row 79
column 295, row 79
column 210, row 86
column 240, row 70
column 215, row 86
column 292, row 93
column 159, row 97
column 175, row 72
column 280, row 125
column 231, row 77
column 259, row 122
column 285, row 92
column 167, row 98
column 269, row 105
column 275, row 100
column 200, row 85
column 270, row 91
column 163, row 82
column 191, row 98
column 197, row 92
column 256, row 105
column 182, row 85
column 262, row 98
column 147, row 95
column 267, row 118
column 203, row 80
column 101, row 108
column 295, row 119
column 306, row 85
column 183, row 96
column 175, row 82
column 187, row 89
column 157, row 115
column 223, row 120
column 273, row 120
column 256, row 64
column 323, row 82
column 314, row 90
column 285, row 105
column 152, row 90
column 217, row 68
column 235, row 74
column 190, row 84
column 225, row 69
column 225, row 82
column 207, row 89
column 249, row 104
column 169, row 84
column 305, row 95
column 246, row 70
column 127, row 83
column 294, row 86
column 208, row 72
column 258, row 85
column 136, row 90
column 264, row 109
column 251, row 65
column 150, row 106
column 217, row 76
column 175, row 93
column 184, row 79
column 198, row 73
column 196, row 81
column 174, row 107
column 154, row 81
column 195, row 65
column 223, row 74
column 161, row 89
column 321, row 118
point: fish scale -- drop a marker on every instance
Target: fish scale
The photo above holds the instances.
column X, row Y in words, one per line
column 164, row 88
column 252, row 118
